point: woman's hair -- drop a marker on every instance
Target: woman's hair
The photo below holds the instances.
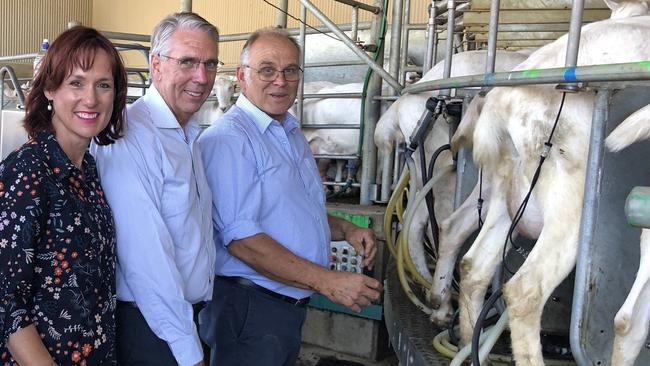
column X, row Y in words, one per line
column 76, row 47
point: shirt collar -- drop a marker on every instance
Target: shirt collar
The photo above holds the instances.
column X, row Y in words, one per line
column 61, row 165
column 263, row 120
column 162, row 115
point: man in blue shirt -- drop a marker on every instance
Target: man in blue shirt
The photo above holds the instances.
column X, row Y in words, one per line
column 155, row 184
column 272, row 231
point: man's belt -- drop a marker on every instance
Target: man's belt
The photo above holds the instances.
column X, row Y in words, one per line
column 132, row 304
column 243, row 282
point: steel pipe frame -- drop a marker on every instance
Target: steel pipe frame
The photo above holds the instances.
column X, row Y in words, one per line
column 333, row 95
column 404, row 45
column 355, row 24
column 24, row 56
column 186, row 5
column 394, row 70
column 355, row 4
column 326, row 183
column 331, row 156
column 334, row 63
column 451, row 12
column 492, row 36
column 229, row 37
column 301, row 41
column 633, row 71
column 372, row 106
column 227, row 69
column 573, row 42
column 281, row 14
column 371, row 112
column 351, row 45
column 432, row 37
column 14, row 81
column 332, row 126
column 588, row 221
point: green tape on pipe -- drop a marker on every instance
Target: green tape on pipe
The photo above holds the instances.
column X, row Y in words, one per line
column 637, row 207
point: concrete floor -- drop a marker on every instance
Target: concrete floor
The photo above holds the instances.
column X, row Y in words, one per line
column 316, row 356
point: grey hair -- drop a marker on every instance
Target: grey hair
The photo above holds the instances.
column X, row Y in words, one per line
column 164, row 30
column 244, row 57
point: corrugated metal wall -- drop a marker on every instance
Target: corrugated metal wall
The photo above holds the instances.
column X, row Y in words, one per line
column 231, row 16
column 26, row 22
column 248, row 15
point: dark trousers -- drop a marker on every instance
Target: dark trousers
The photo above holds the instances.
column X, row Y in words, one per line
column 244, row 327
column 137, row 345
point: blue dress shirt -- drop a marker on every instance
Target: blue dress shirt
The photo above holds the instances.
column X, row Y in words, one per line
column 155, row 184
column 264, row 179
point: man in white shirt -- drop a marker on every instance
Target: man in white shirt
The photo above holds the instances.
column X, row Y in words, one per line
column 156, row 187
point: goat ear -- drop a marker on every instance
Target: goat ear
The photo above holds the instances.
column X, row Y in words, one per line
column 612, row 5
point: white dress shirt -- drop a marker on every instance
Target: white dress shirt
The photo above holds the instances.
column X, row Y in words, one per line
column 154, row 182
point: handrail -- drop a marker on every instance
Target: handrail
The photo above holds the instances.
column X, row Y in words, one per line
column 14, row 81
column 24, row 56
column 632, row 71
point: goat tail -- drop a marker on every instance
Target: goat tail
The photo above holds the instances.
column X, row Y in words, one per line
column 387, row 129
column 634, row 128
column 465, row 132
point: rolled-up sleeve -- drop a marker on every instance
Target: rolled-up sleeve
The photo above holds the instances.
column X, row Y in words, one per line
column 23, row 211
column 131, row 174
column 233, row 178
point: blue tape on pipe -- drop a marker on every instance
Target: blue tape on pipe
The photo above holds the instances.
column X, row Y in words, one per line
column 488, row 77
column 570, row 74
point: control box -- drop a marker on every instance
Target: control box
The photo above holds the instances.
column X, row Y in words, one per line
column 343, row 257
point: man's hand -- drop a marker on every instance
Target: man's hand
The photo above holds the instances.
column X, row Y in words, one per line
column 350, row 289
column 363, row 241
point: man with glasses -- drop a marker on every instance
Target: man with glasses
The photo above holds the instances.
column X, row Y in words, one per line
column 272, row 231
column 161, row 202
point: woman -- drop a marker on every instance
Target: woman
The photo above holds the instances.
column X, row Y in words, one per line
column 57, row 272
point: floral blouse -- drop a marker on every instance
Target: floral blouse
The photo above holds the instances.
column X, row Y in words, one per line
column 57, row 255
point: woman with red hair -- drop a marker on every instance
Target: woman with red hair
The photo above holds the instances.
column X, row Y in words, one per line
column 57, row 278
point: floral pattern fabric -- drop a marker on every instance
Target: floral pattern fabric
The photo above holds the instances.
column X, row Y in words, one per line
column 57, row 255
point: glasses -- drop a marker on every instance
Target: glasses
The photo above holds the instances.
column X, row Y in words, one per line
column 291, row 73
column 191, row 63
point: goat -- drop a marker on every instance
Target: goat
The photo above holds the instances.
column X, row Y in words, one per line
column 507, row 139
column 398, row 123
column 632, row 321
column 223, row 89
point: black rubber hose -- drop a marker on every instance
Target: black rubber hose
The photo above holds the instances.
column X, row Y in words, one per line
column 430, row 201
column 479, row 325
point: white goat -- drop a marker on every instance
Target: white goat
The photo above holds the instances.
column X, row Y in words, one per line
column 333, row 111
column 223, row 89
column 398, row 123
column 507, row 139
column 633, row 318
